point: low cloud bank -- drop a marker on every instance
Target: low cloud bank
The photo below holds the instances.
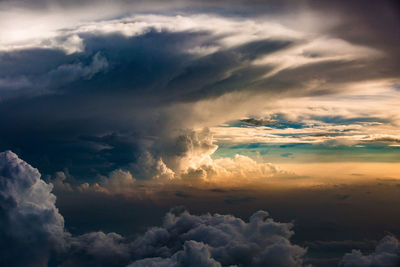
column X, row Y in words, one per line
column 32, row 234
column 387, row 253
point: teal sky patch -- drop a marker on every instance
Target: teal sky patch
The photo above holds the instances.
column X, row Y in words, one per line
column 307, row 153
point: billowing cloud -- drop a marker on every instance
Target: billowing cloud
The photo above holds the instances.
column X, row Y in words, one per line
column 387, row 253
column 193, row 254
column 31, row 226
column 34, row 230
column 221, row 240
column 96, row 248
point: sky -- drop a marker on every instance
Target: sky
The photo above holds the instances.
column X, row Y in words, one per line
column 199, row 133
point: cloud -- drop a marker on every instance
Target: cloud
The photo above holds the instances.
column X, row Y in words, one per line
column 257, row 122
column 219, row 240
column 128, row 87
column 243, row 168
column 228, row 172
column 310, row 120
column 33, row 233
column 383, row 138
column 31, row 226
column 222, row 172
column 96, row 248
column 193, row 254
column 387, row 253
column 133, row 90
column 26, row 84
column 70, row 72
column 118, row 181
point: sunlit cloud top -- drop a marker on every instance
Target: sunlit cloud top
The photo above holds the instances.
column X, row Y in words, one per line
column 163, row 90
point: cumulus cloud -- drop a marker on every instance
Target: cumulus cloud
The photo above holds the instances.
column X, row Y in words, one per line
column 219, row 240
column 222, row 172
column 239, row 170
column 193, row 254
column 118, row 181
column 387, row 253
column 33, row 232
column 189, row 149
column 96, row 249
column 31, row 226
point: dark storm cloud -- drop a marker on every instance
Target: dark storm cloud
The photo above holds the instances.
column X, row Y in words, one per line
column 66, row 122
column 111, row 94
column 33, row 233
column 107, row 102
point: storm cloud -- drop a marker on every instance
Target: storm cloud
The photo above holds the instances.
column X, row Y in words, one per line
column 122, row 91
column 163, row 101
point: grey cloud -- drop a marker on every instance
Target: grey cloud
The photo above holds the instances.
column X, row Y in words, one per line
column 96, row 249
column 70, row 72
column 387, row 253
column 257, row 122
column 98, row 108
column 30, row 225
column 34, row 231
column 194, row 254
column 226, row 239
column 31, row 84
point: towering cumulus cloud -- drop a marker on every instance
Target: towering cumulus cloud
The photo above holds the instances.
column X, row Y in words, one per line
column 32, row 233
column 30, row 225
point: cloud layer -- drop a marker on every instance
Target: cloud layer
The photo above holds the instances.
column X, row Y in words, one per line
column 33, row 233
